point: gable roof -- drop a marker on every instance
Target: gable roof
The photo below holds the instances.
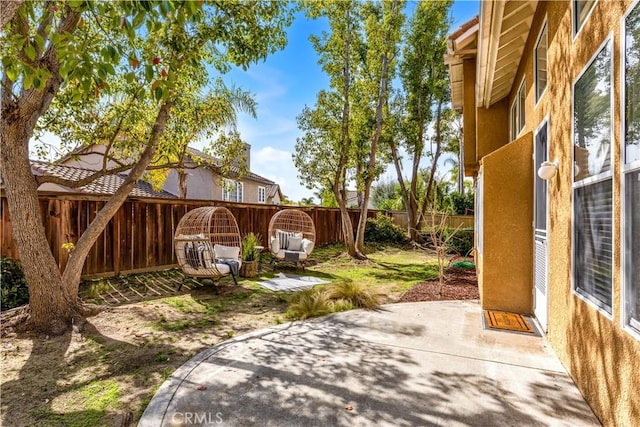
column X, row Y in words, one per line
column 215, row 163
column 107, row 184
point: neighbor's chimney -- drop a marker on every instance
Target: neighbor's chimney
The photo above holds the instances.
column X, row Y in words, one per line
column 247, row 155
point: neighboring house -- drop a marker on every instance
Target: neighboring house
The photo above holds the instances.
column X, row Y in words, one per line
column 559, row 81
column 201, row 178
column 353, row 200
column 107, row 184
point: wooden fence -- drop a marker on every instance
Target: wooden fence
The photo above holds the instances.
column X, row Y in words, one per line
column 140, row 235
column 464, row 221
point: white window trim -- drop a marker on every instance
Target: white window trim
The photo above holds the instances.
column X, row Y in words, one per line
column 535, row 64
column 624, row 170
column 264, row 194
column 516, row 105
column 600, row 177
column 239, row 191
column 237, row 187
column 574, row 22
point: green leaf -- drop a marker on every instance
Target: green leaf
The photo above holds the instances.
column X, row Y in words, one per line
column 138, row 20
column 30, row 51
column 39, row 41
column 12, row 73
column 158, row 93
column 76, row 97
column 27, row 81
column 130, row 77
column 148, row 73
column 109, row 68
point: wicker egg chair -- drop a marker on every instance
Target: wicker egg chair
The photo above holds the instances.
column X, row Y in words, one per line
column 292, row 236
column 207, row 244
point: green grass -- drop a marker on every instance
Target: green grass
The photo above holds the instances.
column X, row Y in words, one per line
column 96, row 399
column 180, row 325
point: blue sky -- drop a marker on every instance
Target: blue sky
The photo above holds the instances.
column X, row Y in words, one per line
column 283, row 85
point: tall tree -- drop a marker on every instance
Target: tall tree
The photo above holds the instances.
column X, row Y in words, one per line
column 324, row 153
column 80, row 45
column 423, row 75
column 383, row 24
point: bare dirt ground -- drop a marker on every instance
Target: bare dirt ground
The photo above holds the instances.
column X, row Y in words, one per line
column 106, row 373
column 459, row 283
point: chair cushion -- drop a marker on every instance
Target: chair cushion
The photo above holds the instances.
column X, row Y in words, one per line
column 280, row 255
column 229, row 252
column 294, row 243
column 307, row 246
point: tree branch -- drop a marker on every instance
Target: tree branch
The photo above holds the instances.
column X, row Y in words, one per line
column 8, row 11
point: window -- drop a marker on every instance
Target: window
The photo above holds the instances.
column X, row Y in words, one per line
column 262, row 195
column 581, row 9
column 518, row 113
column 631, row 171
column 592, row 182
column 541, row 63
column 232, row 191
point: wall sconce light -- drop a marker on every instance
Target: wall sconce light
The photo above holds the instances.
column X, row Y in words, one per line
column 548, row 170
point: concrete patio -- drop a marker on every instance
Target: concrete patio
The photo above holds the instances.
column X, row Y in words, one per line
column 428, row 363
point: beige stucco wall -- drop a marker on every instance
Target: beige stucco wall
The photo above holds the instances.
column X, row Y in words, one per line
column 602, row 358
column 492, row 128
column 505, row 273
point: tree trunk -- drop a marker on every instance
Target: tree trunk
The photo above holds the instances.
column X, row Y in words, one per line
column 8, row 10
column 436, row 157
column 51, row 306
column 73, row 270
column 182, row 183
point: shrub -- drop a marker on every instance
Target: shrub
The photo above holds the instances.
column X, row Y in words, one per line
column 381, row 229
column 354, row 293
column 459, row 204
column 310, row 303
column 249, row 243
column 462, row 242
column 13, row 285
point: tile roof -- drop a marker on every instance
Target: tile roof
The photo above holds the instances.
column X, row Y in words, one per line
column 215, row 162
column 107, row 184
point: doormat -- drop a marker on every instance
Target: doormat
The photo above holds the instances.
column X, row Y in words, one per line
column 507, row 321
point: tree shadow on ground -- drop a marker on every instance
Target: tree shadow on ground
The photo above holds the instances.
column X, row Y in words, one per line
column 323, row 373
column 56, row 368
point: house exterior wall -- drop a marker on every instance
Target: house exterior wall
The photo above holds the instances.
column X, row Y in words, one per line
column 505, row 272
column 601, row 357
column 492, row 128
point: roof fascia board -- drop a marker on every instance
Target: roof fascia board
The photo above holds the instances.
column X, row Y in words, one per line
column 491, row 13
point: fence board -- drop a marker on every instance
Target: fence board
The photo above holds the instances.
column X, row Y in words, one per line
column 140, row 235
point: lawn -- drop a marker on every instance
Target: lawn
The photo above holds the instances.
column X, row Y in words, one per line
column 107, row 374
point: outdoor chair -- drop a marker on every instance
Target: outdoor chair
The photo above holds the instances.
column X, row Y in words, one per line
column 292, row 236
column 208, row 245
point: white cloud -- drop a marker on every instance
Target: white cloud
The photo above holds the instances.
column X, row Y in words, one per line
column 277, row 165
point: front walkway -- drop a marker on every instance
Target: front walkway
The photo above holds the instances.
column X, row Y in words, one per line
column 428, row 363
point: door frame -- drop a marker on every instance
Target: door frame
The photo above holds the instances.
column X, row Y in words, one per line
column 544, row 325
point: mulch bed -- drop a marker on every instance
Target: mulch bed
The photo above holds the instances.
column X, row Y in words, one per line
column 460, row 284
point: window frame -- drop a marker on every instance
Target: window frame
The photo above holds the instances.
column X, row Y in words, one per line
column 574, row 19
column 516, row 113
column 543, row 29
column 238, row 188
column 601, row 177
column 262, row 191
column 625, row 169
